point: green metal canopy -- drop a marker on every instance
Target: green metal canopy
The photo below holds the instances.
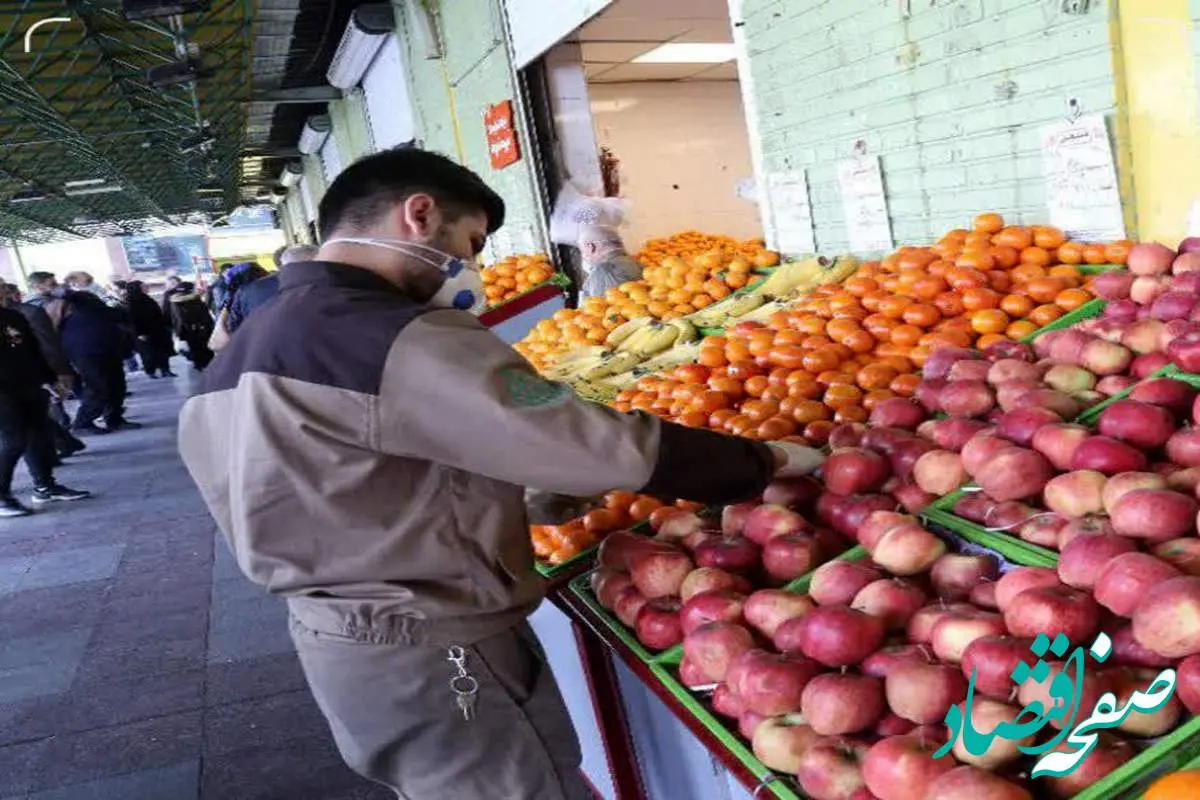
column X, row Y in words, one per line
column 113, row 126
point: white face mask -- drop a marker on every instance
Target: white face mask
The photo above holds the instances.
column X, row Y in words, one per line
column 463, row 287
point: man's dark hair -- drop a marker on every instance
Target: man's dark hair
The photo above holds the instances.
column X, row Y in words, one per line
column 370, row 186
column 40, row 277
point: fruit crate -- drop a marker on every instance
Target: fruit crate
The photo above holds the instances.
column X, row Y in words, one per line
column 554, row 570
column 558, row 279
column 1089, row 310
column 1096, row 269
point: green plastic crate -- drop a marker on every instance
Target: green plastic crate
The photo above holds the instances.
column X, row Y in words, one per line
column 1089, row 310
column 1177, row 750
column 1088, row 417
column 1012, row 548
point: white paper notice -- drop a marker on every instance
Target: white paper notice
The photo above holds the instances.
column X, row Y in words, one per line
column 867, row 223
column 1081, row 180
column 791, row 212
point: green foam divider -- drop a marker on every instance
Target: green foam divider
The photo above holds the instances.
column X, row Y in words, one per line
column 1012, row 548
column 1089, row 310
column 1096, row 269
column 1088, row 416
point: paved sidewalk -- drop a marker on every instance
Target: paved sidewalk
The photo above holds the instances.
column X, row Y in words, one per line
column 136, row 662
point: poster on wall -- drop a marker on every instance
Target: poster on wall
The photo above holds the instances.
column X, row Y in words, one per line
column 177, row 254
column 791, row 212
column 867, row 223
column 1081, row 180
column 501, row 135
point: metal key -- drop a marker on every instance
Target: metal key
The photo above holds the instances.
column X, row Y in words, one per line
column 464, row 686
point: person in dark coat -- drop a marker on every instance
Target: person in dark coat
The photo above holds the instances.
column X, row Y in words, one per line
column 152, row 331
column 190, row 319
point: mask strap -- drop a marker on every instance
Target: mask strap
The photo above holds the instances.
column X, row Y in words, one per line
column 396, row 247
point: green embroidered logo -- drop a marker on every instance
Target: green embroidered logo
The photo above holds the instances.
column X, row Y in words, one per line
column 530, row 391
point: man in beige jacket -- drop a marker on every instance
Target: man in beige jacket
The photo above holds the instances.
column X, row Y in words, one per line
column 364, row 444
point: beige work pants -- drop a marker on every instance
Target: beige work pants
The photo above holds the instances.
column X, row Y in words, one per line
column 395, row 719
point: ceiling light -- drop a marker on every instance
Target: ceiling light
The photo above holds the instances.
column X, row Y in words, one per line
column 151, row 9
column 27, row 196
column 292, row 174
column 316, row 131
column 369, row 26
column 84, row 182
column 689, row 53
column 93, row 190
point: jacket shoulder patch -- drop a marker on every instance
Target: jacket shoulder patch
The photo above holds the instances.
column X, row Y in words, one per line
column 531, row 391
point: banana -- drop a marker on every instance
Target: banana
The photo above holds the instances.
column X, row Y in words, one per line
column 626, row 329
column 764, row 312
column 741, row 304
column 843, row 267
column 657, row 338
column 611, row 365
column 793, row 276
column 687, row 331
column 577, row 354
column 679, row 354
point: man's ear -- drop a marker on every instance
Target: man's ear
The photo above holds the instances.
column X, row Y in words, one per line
column 418, row 216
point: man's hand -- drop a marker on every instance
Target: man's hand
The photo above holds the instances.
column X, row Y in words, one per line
column 793, row 460
column 64, row 386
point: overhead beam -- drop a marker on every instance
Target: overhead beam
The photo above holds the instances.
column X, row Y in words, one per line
column 303, row 94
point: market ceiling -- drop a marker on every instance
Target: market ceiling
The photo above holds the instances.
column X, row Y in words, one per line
column 112, row 125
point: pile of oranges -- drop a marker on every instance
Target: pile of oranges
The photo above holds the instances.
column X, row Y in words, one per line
column 841, row 350
column 682, row 275
column 513, row 276
column 555, row 544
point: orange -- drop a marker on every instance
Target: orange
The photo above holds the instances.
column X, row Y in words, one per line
column 874, row 377
column 1067, row 273
column 949, row 303
column 893, row 306
column 1044, row 290
column 1048, row 238
column 978, row 261
column 988, row 339
column 776, row 428
column 851, row 413
column 821, row 360
column 1028, row 272
column 989, row 320
column 976, row 299
column 860, row 286
column 963, row 277
column 1005, row 257
column 874, row 398
column 807, row 411
column 990, row 223
column 1118, row 252
column 1036, row 255
column 905, row 385
column 1044, row 314
column 1094, row 254
column 1071, row 299
column 1071, row 253
column 1016, row 305
column 841, row 395
column 922, row 315
column 1020, row 329
column 1181, row 785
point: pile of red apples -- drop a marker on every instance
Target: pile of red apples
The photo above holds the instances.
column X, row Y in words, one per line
column 696, row 569
column 1153, row 308
column 846, row 687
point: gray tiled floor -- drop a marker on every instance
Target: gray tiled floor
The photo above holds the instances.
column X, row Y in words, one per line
column 136, row 663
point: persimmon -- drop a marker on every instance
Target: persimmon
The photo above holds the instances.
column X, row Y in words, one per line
column 711, row 357
column 718, row 419
column 809, row 324
column 938, row 268
column 975, row 261
column 1048, row 238
column 1044, row 290
column 989, row 339
column 779, row 376
column 729, row 385
column 928, row 287
column 975, row 299
column 790, row 356
column 1118, row 252
column 948, row 250
column 880, row 327
column 1036, row 255
column 1071, row 299
column 897, row 361
column 1016, row 305
column 1020, row 329
column 806, row 391
column 875, row 397
column 956, row 235
column 905, row 385
column 949, row 303
column 1005, row 257
column 860, row 286
column 873, row 377
column 1094, row 254
column 821, row 360
column 836, row 376
column 893, row 306
column 859, row 342
column 740, row 425
column 789, row 336
column 850, row 413
column 816, row 342
column 838, row 329
column 776, row 428
column 871, row 301
column 692, row 373
column 1043, row 315
column 840, row 395
column 906, row 335
column 962, row 278
column 921, row 315
column 989, row 320
column 694, row 419
column 711, row 400
column 977, row 242
column 741, row 370
column 1015, row 237
column 1070, row 253
column 990, row 223
column 807, row 411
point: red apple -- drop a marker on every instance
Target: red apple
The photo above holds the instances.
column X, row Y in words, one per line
column 1042, row 530
column 1069, row 378
column 920, row 627
column 657, row 623
column 1150, row 258
column 836, row 582
column 1010, row 393
column 992, row 659
column 780, row 742
column 1119, row 485
column 1018, row 580
column 878, row 523
column 1183, row 447
column 1113, row 285
column 902, row 768
column 766, row 522
column 1057, row 609
column 712, row 646
column 1187, row 683
column 953, row 434
column 707, row 579
column 886, row 659
column 1095, row 525
column 848, row 434
column 1075, row 494
column 986, row 715
column 1061, row 403
column 1081, row 560
column 767, row 609
column 1105, row 358
column 953, row 634
column 1109, row 456
column 1123, row 682
column 831, row 769
column 735, row 554
column 836, row 636
column 1167, row 620
column 615, row 549
column 1115, row 384
column 1184, row 351
column 954, row 576
column 679, row 526
column 1127, row 652
column 974, row 506
column 690, row 676
column 1175, row 396
column 787, row 557
column 659, row 571
column 627, row 604
column 984, row 596
column 1058, row 443
column 1016, row 473
column 976, row 784
column 942, row 360
column 966, row 399
column 769, row 683
column 904, row 457
column 748, row 723
column 1126, row 579
column 981, row 449
column 1109, row 753
column 1066, row 346
column 854, row 471
column 1182, row 479
column 792, row 492
column 921, row 693
column 907, row 550
column 1156, row 515
column 1012, row 369
column 733, row 517
column 724, row 701
column 1136, row 423
column 1020, row 425
column 969, row 371
column 891, row 725
column 836, row 704
column 893, row 600
column 913, row 498
column 939, row 472
column 897, row 412
column 1183, row 554
column 608, row 586
column 1094, row 685
column 723, row 605
column 855, row 509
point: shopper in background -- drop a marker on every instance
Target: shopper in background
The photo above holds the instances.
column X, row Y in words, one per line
column 254, row 294
column 364, row 444
column 95, row 343
column 23, row 413
column 606, row 262
column 154, row 343
column 118, row 302
column 234, row 279
column 190, row 320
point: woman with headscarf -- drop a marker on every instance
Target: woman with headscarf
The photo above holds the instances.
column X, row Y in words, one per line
column 185, row 309
column 154, row 345
column 232, row 279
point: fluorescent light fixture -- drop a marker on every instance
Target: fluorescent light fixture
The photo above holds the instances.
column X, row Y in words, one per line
column 27, row 196
column 316, row 131
column 84, row 182
column 369, row 27
column 689, row 53
column 292, row 174
column 93, row 190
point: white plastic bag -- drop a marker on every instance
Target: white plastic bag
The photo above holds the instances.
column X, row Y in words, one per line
column 574, row 211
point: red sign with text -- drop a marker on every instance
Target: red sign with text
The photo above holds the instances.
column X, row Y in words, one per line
column 501, row 136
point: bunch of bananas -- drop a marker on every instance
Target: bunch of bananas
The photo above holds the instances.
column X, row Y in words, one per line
column 625, row 348
column 784, row 284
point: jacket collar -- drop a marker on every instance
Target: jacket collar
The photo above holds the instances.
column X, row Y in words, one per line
column 333, row 274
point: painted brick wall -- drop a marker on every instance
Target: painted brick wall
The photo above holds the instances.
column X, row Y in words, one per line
column 953, row 99
column 475, row 72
